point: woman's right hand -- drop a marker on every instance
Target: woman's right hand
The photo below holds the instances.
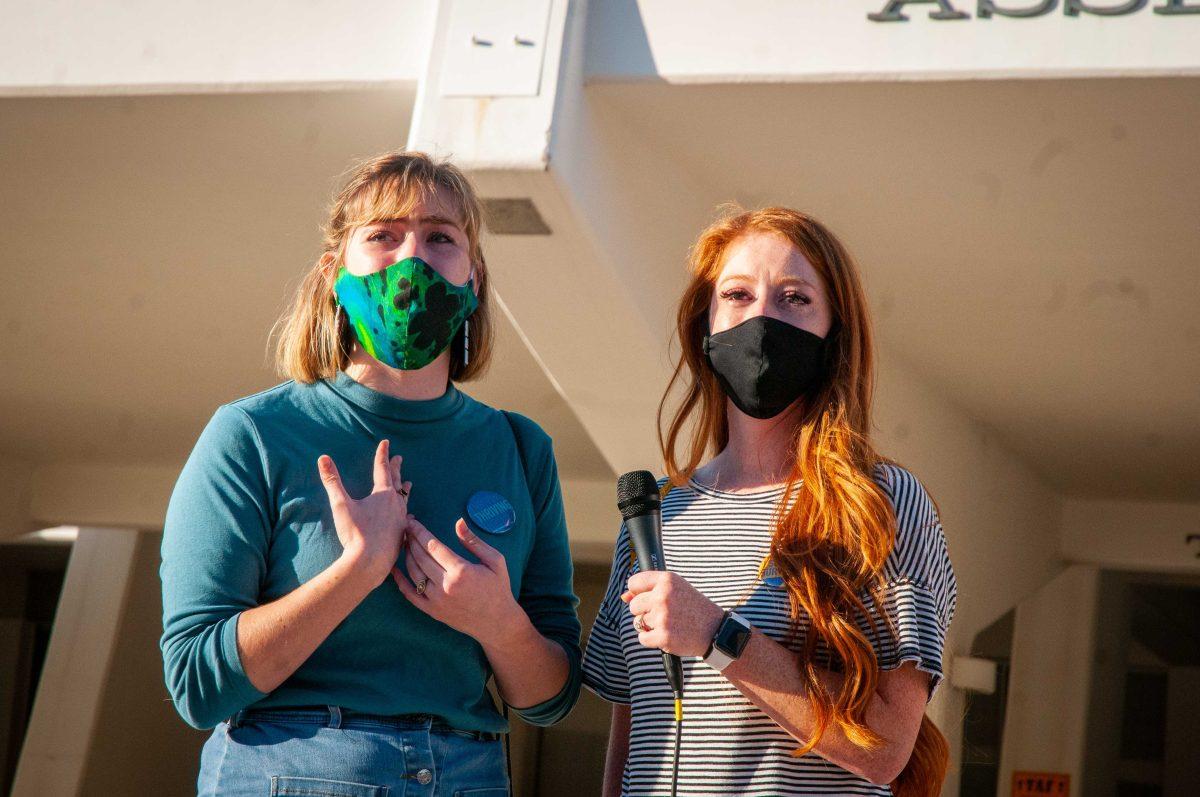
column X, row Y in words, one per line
column 372, row 528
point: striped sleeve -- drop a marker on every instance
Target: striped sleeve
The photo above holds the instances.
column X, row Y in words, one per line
column 604, row 667
column 919, row 591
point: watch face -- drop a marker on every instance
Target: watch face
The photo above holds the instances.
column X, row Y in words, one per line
column 732, row 637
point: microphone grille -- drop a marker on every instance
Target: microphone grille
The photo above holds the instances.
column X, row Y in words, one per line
column 637, row 492
column 636, row 483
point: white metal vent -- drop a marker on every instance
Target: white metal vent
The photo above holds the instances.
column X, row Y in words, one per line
column 517, row 216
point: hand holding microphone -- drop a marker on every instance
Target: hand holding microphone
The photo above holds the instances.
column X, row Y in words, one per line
column 677, row 618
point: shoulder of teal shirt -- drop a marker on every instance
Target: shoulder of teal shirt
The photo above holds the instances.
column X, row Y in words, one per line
column 537, row 449
column 285, row 402
column 547, row 589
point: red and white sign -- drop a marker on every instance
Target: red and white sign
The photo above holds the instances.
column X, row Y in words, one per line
column 1041, row 784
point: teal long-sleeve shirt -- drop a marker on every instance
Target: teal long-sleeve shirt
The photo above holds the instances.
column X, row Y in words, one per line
column 249, row 521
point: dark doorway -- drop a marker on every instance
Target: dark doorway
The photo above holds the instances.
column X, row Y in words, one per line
column 31, row 580
column 983, row 723
column 1159, row 728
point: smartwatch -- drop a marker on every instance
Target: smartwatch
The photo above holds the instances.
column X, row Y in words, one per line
column 728, row 643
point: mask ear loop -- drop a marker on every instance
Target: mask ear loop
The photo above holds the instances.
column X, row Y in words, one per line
column 466, row 341
column 339, row 313
column 467, row 326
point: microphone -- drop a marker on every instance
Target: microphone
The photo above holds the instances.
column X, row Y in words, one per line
column 639, row 501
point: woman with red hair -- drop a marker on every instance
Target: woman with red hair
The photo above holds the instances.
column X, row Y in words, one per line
column 809, row 588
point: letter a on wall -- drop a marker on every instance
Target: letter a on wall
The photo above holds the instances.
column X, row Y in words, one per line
column 893, row 11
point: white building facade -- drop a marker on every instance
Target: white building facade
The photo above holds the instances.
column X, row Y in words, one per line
column 1019, row 180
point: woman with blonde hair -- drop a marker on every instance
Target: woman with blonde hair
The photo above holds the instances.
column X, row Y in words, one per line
column 350, row 556
column 809, row 588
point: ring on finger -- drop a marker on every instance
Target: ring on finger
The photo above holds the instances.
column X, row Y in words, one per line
column 402, row 491
column 422, row 584
column 640, row 624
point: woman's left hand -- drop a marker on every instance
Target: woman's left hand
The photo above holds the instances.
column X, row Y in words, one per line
column 676, row 617
column 475, row 599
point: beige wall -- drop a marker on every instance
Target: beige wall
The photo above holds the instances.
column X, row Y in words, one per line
column 1135, row 535
column 1001, row 521
column 14, row 499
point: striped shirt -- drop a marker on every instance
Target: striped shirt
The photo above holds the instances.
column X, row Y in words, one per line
column 718, row 540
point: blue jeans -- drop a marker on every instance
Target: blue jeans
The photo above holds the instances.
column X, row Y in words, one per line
column 335, row 753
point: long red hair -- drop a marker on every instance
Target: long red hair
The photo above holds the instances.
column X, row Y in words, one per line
column 831, row 544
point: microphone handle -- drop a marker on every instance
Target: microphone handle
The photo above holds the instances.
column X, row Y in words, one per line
column 674, row 668
column 645, row 532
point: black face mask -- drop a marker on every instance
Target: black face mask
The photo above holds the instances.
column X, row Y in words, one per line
column 764, row 364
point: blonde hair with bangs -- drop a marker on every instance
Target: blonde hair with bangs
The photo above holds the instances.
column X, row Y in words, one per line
column 313, row 339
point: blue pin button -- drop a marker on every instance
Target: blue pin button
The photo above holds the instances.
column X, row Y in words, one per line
column 770, row 576
column 491, row 512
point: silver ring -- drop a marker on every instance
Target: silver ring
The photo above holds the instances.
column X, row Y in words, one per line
column 421, row 585
column 640, row 624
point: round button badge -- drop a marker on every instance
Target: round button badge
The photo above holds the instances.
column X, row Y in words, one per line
column 491, row 512
column 769, row 575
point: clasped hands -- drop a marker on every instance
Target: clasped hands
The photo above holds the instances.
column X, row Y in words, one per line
column 475, row 599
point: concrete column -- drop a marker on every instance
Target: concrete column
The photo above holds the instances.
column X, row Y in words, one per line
column 1109, row 666
column 77, row 664
column 1045, row 725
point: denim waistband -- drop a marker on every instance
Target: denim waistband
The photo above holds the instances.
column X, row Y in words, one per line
column 337, row 717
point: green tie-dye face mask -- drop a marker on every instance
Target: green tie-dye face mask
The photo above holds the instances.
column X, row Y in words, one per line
column 405, row 315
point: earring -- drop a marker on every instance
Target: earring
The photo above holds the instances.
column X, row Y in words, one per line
column 466, row 341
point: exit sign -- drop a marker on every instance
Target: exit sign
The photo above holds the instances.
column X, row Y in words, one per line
column 1041, row 784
